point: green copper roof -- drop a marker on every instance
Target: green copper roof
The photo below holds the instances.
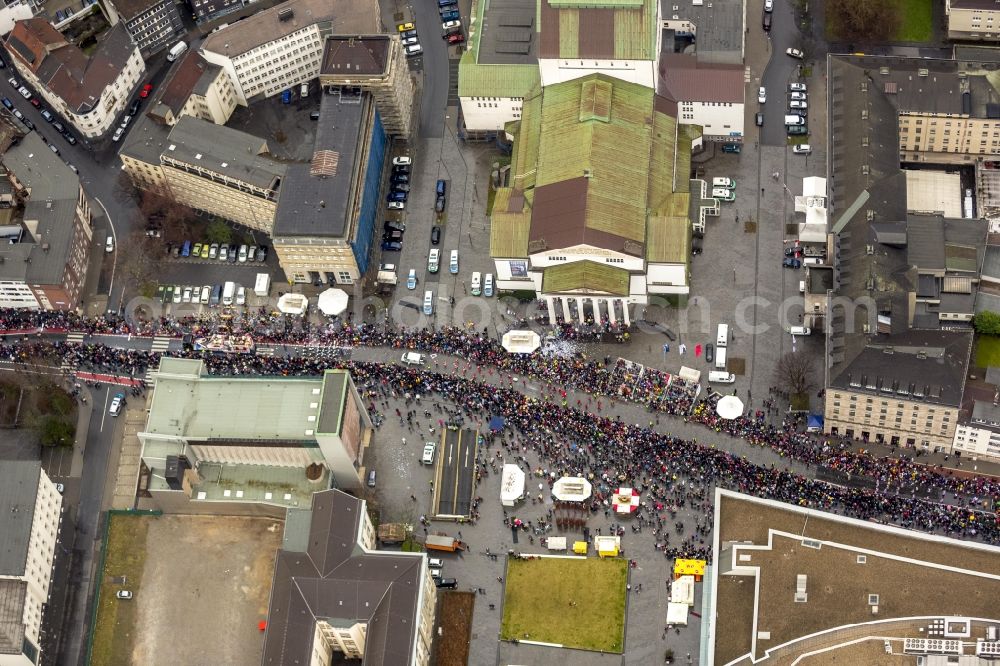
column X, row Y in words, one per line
column 586, row 277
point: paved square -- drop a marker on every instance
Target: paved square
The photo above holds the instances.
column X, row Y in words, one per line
column 572, row 601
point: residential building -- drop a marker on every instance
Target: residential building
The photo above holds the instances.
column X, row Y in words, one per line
column 597, row 213
column 204, row 11
column 253, row 444
column 194, row 87
column 325, row 222
column 153, row 24
column 973, row 20
column 335, row 597
column 48, row 229
column 206, row 167
column 374, row 64
column 708, row 94
column 30, row 524
column 782, row 575
column 281, row 47
column 88, row 91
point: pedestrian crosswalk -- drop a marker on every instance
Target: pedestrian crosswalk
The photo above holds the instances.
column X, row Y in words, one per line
column 150, row 377
column 265, row 350
column 75, row 338
column 67, row 367
column 161, row 344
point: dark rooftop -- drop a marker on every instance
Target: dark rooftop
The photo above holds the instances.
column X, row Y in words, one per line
column 192, row 74
column 317, row 199
column 928, row 366
column 18, row 490
column 507, row 34
column 688, row 80
column 129, row 9
column 13, row 593
column 355, row 56
column 331, row 408
column 336, row 580
column 718, row 24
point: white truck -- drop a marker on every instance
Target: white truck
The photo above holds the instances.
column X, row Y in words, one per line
column 176, row 50
column 386, row 277
column 263, row 284
column 228, row 293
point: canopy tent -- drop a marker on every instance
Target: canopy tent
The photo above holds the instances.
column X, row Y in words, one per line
column 332, row 302
column 295, row 304
column 511, row 485
column 556, row 543
column 729, row 407
column 571, row 489
column 497, row 423
column 607, row 546
column 521, row 342
column 815, row 423
column 690, row 374
column 626, row 500
column 580, row 547
column 682, row 590
column 683, row 567
column 677, row 614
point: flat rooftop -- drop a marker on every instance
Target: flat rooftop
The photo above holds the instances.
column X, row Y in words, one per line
column 191, row 405
column 930, row 191
column 718, row 24
column 259, row 484
column 508, row 33
column 762, row 546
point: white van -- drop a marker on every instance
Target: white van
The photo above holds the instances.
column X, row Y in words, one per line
column 453, row 264
column 477, row 281
column 430, row 448
column 304, row 90
column 412, row 358
column 432, row 260
column 794, row 120
column 228, row 293
column 724, row 182
column 176, row 50
column 488, row 285
column 800, row 330
column 722, row 336
column 720, row 358
column 721, row 377
column 428, row 302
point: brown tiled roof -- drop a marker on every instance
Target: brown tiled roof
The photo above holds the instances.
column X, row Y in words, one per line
column 559, row 220
column 355, row 56
column 688, row 80
column 63, row 67
column 599, row 27
column 183, row 80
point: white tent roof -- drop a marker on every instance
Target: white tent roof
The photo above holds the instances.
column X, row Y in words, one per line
column 293, row 304
column 332, row 301
column 690, row 374
column 729, row 407
column 571, row 489
column 556, row 543
column 511, row 484
column 682, row 591
column 814, row 186
column 677, row 614
column 521, row 342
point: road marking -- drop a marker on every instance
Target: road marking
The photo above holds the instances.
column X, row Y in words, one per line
column 104, row 415
column 75, row 338
column 161, row 344
column 265, row 350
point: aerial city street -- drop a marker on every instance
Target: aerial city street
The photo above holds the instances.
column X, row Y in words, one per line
column 468, row 333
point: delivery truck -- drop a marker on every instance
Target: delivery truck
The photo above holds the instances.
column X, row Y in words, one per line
column 443, row 542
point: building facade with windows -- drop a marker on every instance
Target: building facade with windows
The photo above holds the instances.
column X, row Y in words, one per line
column 710, row 95
column 89, row 91
column 30, row 523
column 195, row 88
column 335, row 596
column 279, row 48
column 973, row 20
column 153, row 24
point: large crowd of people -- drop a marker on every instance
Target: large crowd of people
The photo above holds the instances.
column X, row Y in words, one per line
column 673, row 471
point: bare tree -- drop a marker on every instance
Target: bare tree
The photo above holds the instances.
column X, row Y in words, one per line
column 159, row 209
column 139, row 258
column 863, row 20
column 795, row 372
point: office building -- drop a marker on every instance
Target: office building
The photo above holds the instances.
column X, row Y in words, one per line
column 89, row 91
column 708, row 94
column 973, row 20
column 250, row 444
column 194, row 87
column 335, row 597
column 279, row 48
column 153, row 24
column 29, row 523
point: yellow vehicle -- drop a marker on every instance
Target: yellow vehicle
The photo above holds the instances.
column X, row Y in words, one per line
column 403, row 27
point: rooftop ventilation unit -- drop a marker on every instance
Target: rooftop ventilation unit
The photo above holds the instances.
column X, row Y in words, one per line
column 286, row 14
column 923, row 72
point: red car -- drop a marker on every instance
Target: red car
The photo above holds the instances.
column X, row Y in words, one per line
column 35, row 103
column 456, row 38
column 146, row 89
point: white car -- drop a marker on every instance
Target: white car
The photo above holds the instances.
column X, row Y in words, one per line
column 798, row 104
column 176, row 297
column 768, row 5
column 109, row 245
column 403, row 160
column 126, row 120
column 241, row 296
column 186, row 297
column 430, row 448
column 797, row 95
column 410, row 40
column 124, row 594
column 397, row 205
column 795, row 53
column 24, row 92
column 411, row 279
column 448, row 25
column 802, row 149
column 761, row 94
column 413, row 50
column 118, row 133
column 412, row 358
column 797, row 87
column 223, row 253
column 116, row 404
column 242, row 255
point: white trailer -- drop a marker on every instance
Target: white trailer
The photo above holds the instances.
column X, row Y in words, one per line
column 263, row 284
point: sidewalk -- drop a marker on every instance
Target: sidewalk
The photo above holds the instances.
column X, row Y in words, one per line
column 84, row 412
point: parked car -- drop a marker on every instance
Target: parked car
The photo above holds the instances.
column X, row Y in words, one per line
column 435, row 234
column 397, row 205
column 252, row 253
column 402, row 161
column 795, row 53
column 797, row 95
column 109, row 244
column 410, row 40
column 124, row 594
column 456, row 38
column 223, row 253
column 396, row 195
column 797, row 130
column 403, row 27
column 390, row 225
column 766, row 22
column 797, row 87
column 449, row 25
column 391, row 246
column 762, row 95
column 286, row 96
column 759, row 119
column 241, row 296
column 133, row 108
column 400, row 178
column 116, row 404
column 213, row 251
column 243, row 254
column 791, row 262
column 197, row 249
column 118, row 133
column 7, row 103
column 411, row 279
column 450, row 15
column 262, row 253
column 802, row 149
column 146, row 89
column 798, row 104
column 70, row 139
column 768, row 5
column 396, row 236
column 186, row 296
column 47, row 115
column 401, row 187
column 413, row 50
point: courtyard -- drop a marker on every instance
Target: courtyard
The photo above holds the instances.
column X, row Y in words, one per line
column 570, row 601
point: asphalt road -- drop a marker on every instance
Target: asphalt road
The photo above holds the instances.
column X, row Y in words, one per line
column 434, row 94
column 780, row 71
column 457, row 478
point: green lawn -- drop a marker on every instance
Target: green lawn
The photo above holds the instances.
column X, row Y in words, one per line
column 116, row 621
column 914, row 21
column 987, row 351
column 576, row 602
